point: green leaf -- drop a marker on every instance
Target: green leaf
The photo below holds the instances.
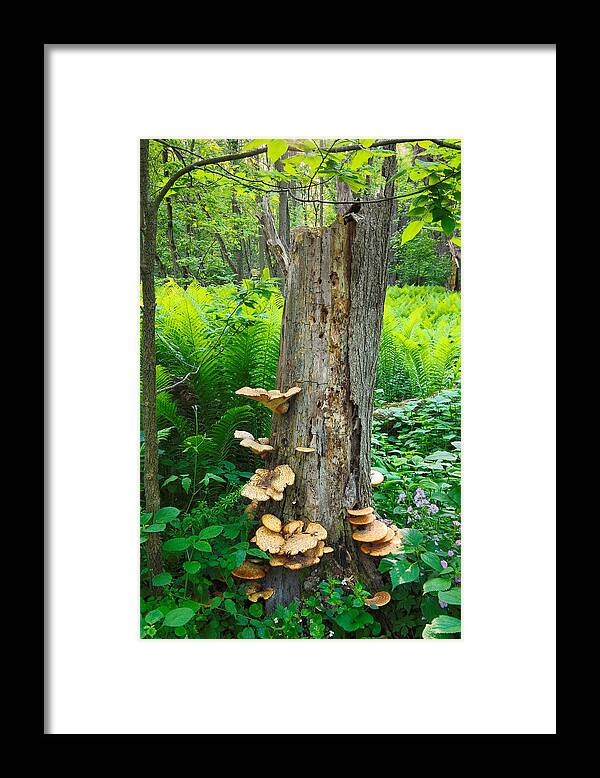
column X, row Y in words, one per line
column 367, row 142
column 413, row 537
column 202, row 545
column 445, row 625
column 448, row 225
column 254, row 144
column 247, row 633
column 359, row 158
column 210, row 532
column 452, row 596
column 276, row 149
column 166, row 515
column 256, row 552
column 432, row 560
column 411, row 230
column 229, row 606
column 176, row 545
column 456, row 241
column 169, row 480
column 155, row 528
column 436, row 585
column 178, row 617
column 192, row 567
column 162, row 579
column 186, row 483
column 153, row 616
column 255, row 609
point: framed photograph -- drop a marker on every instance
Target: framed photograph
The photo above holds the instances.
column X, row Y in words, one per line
column 261, row 385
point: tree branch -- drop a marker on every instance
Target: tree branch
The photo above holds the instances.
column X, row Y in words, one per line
column 263, row 149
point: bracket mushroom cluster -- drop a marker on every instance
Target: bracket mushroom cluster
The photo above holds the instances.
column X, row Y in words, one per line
column 376, row 537
column 273, row 399
column 294, row 545
column 250, row 571
column 259, row 446
column 269, row 484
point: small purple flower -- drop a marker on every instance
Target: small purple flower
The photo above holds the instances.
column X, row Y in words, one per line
column 457, row 542
column 433, row 508
column 401, row 497
column 408, row 520
column 409, row 509
column 443, row 604
column 456, row 523
column 457, row 580
column 444, row 564
column 450, row 553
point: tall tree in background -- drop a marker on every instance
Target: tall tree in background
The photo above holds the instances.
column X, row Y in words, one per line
column 148, row 253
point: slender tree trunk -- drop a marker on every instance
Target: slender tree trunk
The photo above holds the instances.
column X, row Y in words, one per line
column 335, row 292
column 149, row 427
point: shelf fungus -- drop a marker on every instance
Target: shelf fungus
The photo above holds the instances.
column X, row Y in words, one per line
column 249, row 571
column 361, row 516
column 376, row 478
column 257, row 592
column 379, row 599
column 304, row 450
column 389, row 544
column 273, row 399
column 269, row 484
column 372, row 532
column 295, row 546
column 271, row 522
column 247, row 440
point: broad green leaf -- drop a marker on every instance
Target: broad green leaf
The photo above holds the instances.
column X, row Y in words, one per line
column 210, row 532
column 229, row 606
column 176, row 545
column 456, row 241
column 254, row 144
column 452, row 596
column 202, row 545
column 255, row 609
column 186, row 483
column 437, row 585
column 445, row 625
column 448, row 225
column 359, row 158
column 413, row 536
column 192, row 567
column 276, row 149
column 153, row 616
column 155, row 528
column 411, row 230
column 432, row 560
column 166, row 515
column 178, row 617
column 367, row 142
column 247, row 633
column 162, row 579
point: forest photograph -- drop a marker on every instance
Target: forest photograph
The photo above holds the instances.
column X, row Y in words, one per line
column 300, row 388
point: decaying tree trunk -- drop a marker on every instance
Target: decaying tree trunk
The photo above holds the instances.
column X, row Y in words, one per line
column 149, row 426
column 335, row 292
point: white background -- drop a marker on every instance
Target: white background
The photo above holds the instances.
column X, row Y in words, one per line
column 499, row 678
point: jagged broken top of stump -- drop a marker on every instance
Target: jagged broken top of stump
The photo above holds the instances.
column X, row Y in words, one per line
column 273, row 399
